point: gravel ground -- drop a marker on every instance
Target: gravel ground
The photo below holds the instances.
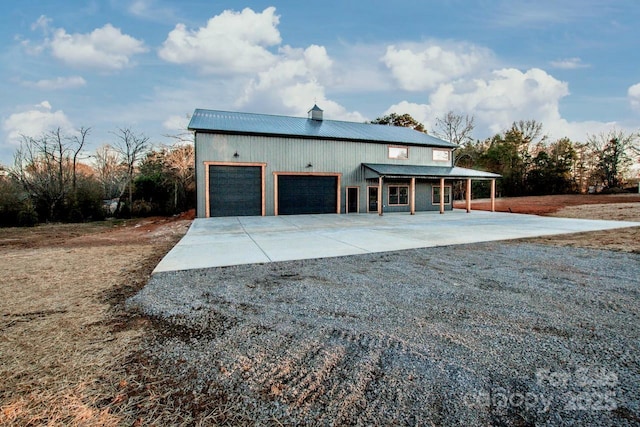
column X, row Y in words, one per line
column 483, row 334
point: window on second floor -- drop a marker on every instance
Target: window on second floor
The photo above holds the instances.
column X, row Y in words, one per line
column 441, row 155
column 398, row 152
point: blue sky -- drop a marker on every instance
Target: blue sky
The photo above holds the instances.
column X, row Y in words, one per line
column 147, row 64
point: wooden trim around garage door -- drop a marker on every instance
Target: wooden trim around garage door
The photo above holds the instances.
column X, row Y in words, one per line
column 207, row 207
column 275, row 186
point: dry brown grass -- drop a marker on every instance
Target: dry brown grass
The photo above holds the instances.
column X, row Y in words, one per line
column 546, row 205
column 615, row 207
column 621, row 239
column 69, row 354
column 65, row 340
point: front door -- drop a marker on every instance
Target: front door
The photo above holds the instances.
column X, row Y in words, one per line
column 372, row 199
column 352, row 199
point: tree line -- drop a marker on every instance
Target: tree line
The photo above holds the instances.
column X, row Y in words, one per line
column 531, row 164
column 53, row 179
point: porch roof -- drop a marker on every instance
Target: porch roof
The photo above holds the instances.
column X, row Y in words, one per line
column 375, row 170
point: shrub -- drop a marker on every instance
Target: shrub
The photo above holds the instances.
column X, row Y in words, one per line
column 27, row 217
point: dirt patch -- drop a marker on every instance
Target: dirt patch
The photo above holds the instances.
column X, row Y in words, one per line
column 622, row 239
column 621, row 207
column 65, row 338
column 544, row 205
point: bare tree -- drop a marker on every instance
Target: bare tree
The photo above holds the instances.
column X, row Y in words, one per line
column 455, row 128
column 130, row 147
column 180, row 163
column 532, row 137
column 531, row 131
column 613, row 151
column 111, row 173
column 42, row 165
column 79, row 141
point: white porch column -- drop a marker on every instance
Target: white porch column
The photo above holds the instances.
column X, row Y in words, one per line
column 441, row 195
column 493, row 195
column 468, row 195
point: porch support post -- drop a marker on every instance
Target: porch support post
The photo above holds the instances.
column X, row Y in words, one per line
column 412, row 191
column 468, row 195
column 493, row 195
column 380, row 195
column 441, row 195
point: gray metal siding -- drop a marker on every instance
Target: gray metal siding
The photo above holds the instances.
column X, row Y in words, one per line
column 423, row 196
column 295, row 155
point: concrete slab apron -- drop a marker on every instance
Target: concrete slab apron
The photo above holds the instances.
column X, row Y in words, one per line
column 218, row 242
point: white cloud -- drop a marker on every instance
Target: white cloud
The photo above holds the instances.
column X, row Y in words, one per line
column 520, row 14
column 150, row 10
column 299, row 98
column 420, row 112
column 232, row 42
column 293, row 84
column 105, row 48
column 41, row 23
column 317, row 59
column 57, row 83
column 633, row 94
column 244, row 49
column 140, row 7
column 507, row 95
column 569, row 64
column 424, row 67
column 176, row 124
column 33, row 122
column 291, row 66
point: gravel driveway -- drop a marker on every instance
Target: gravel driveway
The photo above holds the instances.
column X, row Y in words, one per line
column 498, row 333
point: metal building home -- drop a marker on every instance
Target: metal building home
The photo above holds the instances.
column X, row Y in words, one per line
column 257, row 164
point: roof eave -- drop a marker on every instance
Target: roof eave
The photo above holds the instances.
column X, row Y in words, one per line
column 479, row 175
column 329, row 138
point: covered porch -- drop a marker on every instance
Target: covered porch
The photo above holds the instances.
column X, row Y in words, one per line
column 440, row 175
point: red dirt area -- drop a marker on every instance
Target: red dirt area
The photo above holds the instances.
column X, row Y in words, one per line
column 546, row 205
column 100, row 233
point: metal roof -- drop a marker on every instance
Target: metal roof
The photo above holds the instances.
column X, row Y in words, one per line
column 426, row 171
column 263, row 124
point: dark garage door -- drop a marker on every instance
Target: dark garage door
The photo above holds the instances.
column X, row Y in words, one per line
column 235, row 190
column 307, row 194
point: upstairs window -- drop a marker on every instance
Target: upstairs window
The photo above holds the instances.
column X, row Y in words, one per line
column 398, row 152
column 441, row 155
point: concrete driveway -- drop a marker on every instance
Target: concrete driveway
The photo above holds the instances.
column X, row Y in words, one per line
column 218, row 242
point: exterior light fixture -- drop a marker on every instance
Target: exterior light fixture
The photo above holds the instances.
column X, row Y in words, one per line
column 236, row 155
column 309, row 165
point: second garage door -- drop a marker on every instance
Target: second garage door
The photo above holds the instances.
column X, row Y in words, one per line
column 307, row 194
